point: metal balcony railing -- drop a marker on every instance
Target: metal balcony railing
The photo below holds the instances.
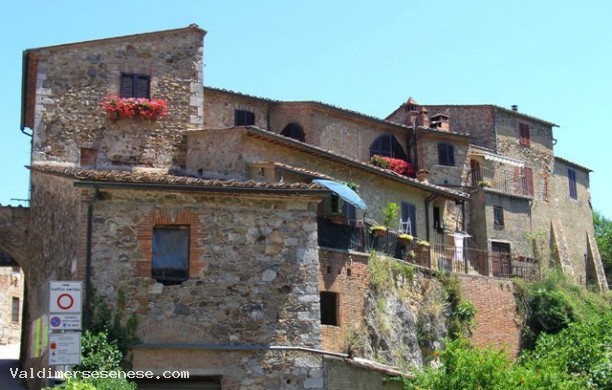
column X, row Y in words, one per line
column 440, row 257
column 509, row 182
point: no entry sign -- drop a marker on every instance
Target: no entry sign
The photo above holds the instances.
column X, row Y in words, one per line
column 65, row 297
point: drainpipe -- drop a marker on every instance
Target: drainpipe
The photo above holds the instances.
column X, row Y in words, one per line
column 428, row 200
column 88, row 289
column 463, row 216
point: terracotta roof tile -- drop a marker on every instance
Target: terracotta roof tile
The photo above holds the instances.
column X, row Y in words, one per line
column 265, row 134
column 144, row 177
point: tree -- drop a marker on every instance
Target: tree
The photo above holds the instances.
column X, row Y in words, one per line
column 603, row 236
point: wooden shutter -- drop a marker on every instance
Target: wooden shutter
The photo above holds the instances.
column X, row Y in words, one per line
column 528, row 181
column 446, row 154
column 524, row 134
column 573, row 190
column 126, row 89
column 142, row 87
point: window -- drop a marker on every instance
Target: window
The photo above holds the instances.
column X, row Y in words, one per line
column 135, row 86
column 329, row 308
column 528, row 181
column 170, row 264
column 350, row 211
column 573, row 190
column 524, row 134
column 408, row 221
column 15, row 310
column 446, row 154
column 244, row 118
column 88, row 157
column 387, row 146
column 498, row 216
column 437, row 220
column 295, row 131
column 475, row 171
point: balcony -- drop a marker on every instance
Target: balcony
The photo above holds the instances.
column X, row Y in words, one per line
column 508, row 182
column 438, row 257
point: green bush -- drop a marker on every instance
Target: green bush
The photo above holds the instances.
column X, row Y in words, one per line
column 98, row 353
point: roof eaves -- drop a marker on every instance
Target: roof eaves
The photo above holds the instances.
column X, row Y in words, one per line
column 256, row 131
column 568, row 162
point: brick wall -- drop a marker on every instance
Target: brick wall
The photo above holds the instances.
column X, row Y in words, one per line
column 347, row 275
column 497, row 320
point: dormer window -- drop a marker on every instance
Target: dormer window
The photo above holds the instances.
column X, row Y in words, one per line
column 135, row 86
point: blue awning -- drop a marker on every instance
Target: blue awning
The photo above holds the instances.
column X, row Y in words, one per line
column 343, row 191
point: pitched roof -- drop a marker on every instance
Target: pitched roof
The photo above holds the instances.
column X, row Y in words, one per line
column 327, row 154
column 156, row 180
column 573, row 164
column 341, row 110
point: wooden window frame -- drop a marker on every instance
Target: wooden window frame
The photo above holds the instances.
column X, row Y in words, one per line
column 244, row 117
column 573, row 187
column 498, row 216
column 446, row 154
column 15, row 304
column 135, row 90
column 159, row 273
column 524, row 134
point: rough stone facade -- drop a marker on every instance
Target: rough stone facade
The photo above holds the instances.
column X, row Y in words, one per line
column 11, row 304
column 249, row 311
column 70, row 81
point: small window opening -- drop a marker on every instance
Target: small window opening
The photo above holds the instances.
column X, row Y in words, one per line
column 329, row 308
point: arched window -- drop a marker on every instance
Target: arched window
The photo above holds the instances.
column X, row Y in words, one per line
column 293, row 130
column 387, row 146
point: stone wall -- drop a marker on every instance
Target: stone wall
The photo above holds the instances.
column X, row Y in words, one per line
column 253, row 268
column 517, row 222
column 498, row 323
column 219, row 107
column 444, row 175
column 573, row 221
column 11, row 284
column 375, row 190
column 476, row 121
column 71, row 81
column 56, row 241
column 341, row 376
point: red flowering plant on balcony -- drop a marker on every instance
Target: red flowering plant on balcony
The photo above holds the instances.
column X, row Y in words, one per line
column 141, row 108
column 394, row 164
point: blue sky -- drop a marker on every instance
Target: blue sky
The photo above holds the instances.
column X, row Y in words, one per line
column 551, row 58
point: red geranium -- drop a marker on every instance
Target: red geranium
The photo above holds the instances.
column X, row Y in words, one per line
column 394, row 164
column 143, row 108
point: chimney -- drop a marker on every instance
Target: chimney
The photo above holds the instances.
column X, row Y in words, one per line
column 440, row 122
column 423, row 119
column 514, row 107
column 412, row 109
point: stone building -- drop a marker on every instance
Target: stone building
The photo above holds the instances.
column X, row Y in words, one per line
column 217, row 222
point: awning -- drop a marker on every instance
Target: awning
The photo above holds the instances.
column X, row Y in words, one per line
column 343, row 191
column 503, row 159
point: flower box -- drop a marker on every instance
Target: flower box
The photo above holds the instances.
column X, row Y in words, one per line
column 118, row 108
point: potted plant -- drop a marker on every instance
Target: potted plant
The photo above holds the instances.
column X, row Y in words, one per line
column 391, row 211
column 405, row 239
column 378, row 230
column 484, row 183
column 423, row 244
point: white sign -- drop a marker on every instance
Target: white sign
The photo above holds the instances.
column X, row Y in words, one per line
column 64, row 349
column 65, row 297
column 65, row 322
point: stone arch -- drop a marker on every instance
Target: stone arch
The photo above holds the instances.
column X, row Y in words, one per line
column 174, row 331
column 13, row 233
column 387, row 145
